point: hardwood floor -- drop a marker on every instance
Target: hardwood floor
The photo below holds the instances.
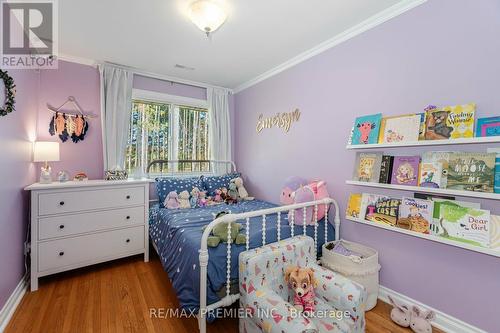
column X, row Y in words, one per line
column 117, row 297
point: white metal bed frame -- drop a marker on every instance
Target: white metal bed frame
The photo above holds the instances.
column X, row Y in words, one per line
column 203, row 251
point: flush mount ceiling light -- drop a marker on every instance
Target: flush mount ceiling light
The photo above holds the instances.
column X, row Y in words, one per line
column 207, row 15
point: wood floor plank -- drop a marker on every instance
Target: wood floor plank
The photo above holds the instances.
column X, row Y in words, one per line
column 116, row 297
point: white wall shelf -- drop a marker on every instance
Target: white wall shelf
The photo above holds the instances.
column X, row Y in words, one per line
column 478, row 140
column 442, row 191
column 488, row 251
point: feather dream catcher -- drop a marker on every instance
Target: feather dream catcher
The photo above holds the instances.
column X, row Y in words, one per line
column 73, row 124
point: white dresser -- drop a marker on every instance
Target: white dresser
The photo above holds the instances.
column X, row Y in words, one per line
column 75, row 224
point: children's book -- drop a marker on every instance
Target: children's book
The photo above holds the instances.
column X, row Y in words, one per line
column 415, row 214
column 450, row 122
column 465, row 224
column 488, row 126
column 386, row 169
column 405, row 170
column 380, row 208
column 421, row 130
column 430, row 174
column 400, row 129
column 367, row 167
column 496, row 186
column 495, row 232
column 441, row 157
column 354, row 205
column 366, row 129
column 436, row 228
column 471, row 171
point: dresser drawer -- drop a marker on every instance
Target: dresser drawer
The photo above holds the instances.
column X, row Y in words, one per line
column 76, row 201
column 88, row 249
column 67, row 225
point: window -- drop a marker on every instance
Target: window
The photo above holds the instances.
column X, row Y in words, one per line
column 167, row 131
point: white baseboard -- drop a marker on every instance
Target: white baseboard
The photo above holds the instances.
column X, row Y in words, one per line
column 10, row 306
column 443, row 321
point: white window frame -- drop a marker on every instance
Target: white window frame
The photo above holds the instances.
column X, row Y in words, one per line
column 175, row 101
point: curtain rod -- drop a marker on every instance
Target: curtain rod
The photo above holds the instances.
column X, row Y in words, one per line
column 167, row 78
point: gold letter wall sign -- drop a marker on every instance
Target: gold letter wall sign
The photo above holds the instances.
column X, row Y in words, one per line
column 282, row 120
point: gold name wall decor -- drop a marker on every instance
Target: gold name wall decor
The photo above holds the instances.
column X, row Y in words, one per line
column 282, row 120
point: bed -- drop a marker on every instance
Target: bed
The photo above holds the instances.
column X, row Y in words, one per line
column 205, row 278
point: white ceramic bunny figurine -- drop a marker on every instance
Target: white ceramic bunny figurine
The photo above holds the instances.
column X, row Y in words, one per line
column 420, row 321
column 400, row 314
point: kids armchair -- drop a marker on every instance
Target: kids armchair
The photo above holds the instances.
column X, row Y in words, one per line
column 265, row 296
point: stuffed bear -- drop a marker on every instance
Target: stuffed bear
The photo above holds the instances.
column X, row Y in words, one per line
column 242, row 192
column 171, row 201
column 195, row 194
column 184, row 200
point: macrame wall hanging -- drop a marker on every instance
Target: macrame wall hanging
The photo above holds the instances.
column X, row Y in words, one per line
column 73, row 124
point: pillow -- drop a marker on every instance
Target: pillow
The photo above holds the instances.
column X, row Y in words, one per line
column 211, row 183
column 166, row 185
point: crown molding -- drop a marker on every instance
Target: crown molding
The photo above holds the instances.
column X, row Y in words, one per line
column 77, row 60
column 366, row 25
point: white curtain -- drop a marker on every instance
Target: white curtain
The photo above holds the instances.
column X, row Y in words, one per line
column 116, row 104
column 220, row 128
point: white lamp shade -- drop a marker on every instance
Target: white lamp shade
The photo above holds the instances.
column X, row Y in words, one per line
column 207, row 15
column 46, row 151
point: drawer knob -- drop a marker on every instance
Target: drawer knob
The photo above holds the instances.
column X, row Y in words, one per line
column 128, row 196
column 61, row 203
column 128, row 240
column 128, row 217
column 61, row 253
column 61, row 226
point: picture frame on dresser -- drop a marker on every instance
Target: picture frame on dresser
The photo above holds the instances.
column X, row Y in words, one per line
column 77, row 224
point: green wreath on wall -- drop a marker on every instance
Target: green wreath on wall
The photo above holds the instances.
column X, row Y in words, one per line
column 10, row 93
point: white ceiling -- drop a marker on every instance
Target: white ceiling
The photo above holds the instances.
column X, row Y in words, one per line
column 155, row 35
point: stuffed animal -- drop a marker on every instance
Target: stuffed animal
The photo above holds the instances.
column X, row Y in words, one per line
column 184, row 200
column 400, row 313
column 420, row 321
column 291, row 185
column 226, row 198
column 217, row 197
column 172, row 200
column 303, row 194
column 202, row 199
column 233, row 192
column 195, row 194
column 242, row 192
column 303, row 282
column 219, row 232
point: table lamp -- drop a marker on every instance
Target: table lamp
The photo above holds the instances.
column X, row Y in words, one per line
column 46, row 152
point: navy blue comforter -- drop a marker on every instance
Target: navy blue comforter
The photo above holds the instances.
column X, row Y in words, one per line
column 177, row 236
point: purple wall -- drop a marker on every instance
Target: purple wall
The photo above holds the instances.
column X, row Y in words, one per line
column 443, row 52
column 17, row 131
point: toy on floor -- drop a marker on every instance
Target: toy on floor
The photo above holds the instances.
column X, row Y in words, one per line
column 291, row 185
column 184, row 200
column 219, row 232
column 195, row 195
column 242, row 192
column 303, row 282
column 400, row 313
column 420, row 321
column 172, row 200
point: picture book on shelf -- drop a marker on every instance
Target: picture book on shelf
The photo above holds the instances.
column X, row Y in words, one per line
column 430, row 174
column 496, row 182
column 436, row 228
column 353, row 205
column 404, row 128
column 405, row 170
column 379, row 208
column 386, row 169
column 495, row 232
column 421, row 130
column 366, row 129
column 441, row 157
column 450, row 122
column 465, row 224
column 471, row 171
column 367, row 167
column 488, row 126
column 415, row 214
